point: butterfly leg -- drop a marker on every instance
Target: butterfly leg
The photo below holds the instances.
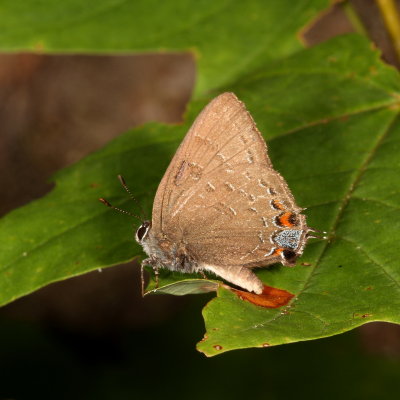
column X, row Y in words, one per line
column 203, row 275
column 153, row 264
column 238, row 275
column 142, row 277
column 156, row 274
column 147, row 261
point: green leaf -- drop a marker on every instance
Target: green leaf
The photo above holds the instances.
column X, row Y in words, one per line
column 330, row 117
column 344, row 169
column 226, row 36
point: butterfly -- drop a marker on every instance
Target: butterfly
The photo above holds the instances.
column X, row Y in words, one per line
column 221, row 207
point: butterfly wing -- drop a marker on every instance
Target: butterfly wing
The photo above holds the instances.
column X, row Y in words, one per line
column 224, row 133
column 219, row 186
column 233, row 219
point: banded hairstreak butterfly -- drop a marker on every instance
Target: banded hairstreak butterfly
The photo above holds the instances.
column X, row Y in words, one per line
column 221, row 206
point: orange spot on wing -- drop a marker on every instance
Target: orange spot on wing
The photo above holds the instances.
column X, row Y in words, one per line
column 277, row 205
column 270, row 297
column 287, row 219
column 277, row 252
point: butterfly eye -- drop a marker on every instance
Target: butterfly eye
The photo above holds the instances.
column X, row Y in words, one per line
column 141, row 233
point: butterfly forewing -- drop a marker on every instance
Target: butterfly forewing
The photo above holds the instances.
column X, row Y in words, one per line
column 223, row 135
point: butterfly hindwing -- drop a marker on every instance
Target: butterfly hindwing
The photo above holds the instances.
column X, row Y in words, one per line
column 229, row 218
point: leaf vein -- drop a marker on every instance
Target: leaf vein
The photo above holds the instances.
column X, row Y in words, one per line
column 359, row 248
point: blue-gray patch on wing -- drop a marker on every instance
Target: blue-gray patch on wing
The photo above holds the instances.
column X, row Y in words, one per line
column 289, row 238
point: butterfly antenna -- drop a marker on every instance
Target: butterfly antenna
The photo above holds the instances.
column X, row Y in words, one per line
column 104, row 201
column 125, row 186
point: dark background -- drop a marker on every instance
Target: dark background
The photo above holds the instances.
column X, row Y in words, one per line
column 94, row 336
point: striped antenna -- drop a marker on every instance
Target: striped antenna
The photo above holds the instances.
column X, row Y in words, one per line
column 105, row 202
column 125, row 186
